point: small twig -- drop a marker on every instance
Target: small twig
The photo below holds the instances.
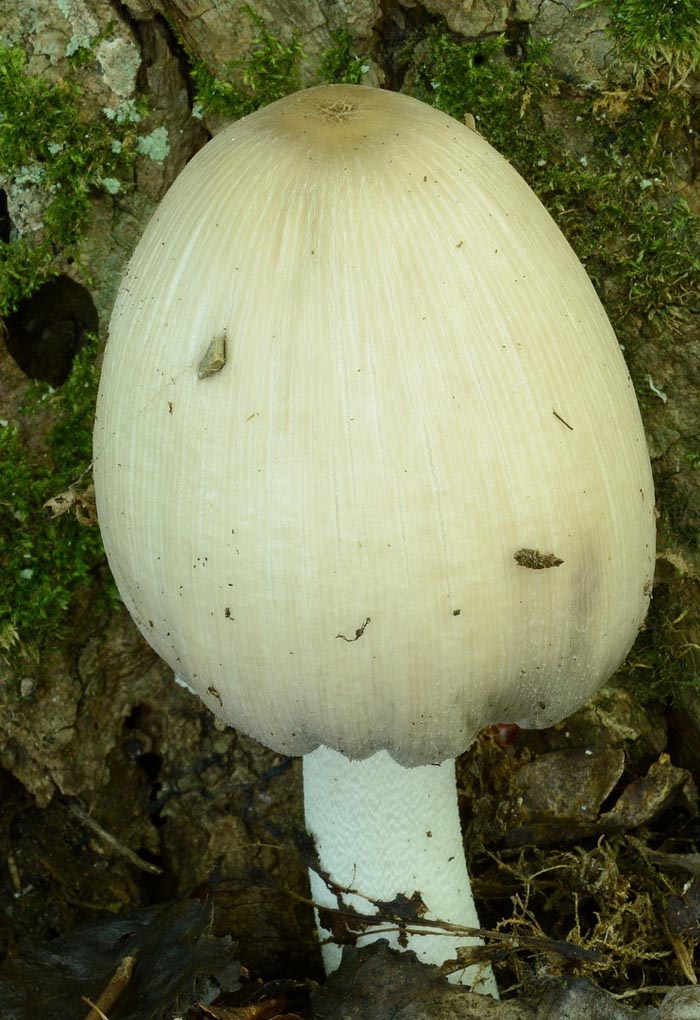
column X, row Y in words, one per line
column 265, row 1010
column 559, row 418
column 114, row 989
column 14, row 874
column 385, row 922
column 646, row 990
column 95, row 1011
column 118, row 847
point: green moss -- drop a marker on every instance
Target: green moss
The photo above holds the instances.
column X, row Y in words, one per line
column 270, row 70
column 22, row 270
column 652, row 32
column 63, row 158
column 46, row 559
column 340, row 63
column 478, row 78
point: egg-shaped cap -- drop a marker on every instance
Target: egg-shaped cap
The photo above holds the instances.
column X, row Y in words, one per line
column 370, row 469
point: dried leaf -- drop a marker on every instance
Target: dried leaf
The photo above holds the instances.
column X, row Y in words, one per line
column 61, row 504
column 172, row 945
column 81, row 503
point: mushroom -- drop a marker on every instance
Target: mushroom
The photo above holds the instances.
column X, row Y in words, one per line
column 370, row 470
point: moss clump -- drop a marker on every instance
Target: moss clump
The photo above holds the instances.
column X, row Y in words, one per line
column 46, row 559
column 50, row 148
column 650, row 32
column 603, row 898
column 480, row 79
column 340, row 64
column 270, row 70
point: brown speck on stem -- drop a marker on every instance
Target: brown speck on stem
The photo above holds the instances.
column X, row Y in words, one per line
column 536, row 560
column 215, row 694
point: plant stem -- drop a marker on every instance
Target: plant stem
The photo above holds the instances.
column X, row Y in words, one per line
column 382, row 831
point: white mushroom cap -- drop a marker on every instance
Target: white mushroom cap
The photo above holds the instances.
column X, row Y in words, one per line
column 344, row 528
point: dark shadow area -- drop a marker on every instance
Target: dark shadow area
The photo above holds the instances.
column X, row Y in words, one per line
column 49, row 328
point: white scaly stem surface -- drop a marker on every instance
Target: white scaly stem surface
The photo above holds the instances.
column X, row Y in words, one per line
column 382, row 830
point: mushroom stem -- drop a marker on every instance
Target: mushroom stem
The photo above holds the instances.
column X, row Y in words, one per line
column 384, row 831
